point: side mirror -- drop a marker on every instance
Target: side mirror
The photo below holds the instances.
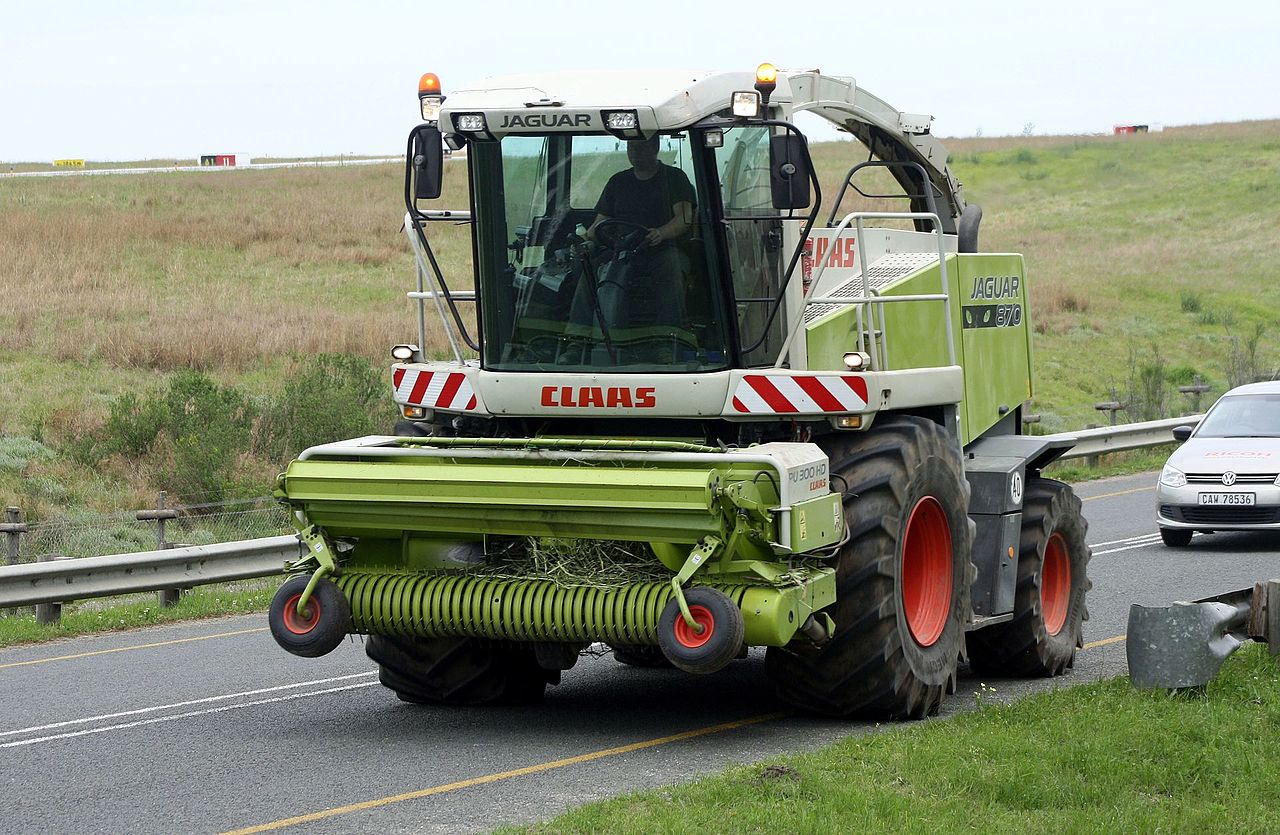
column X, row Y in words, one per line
column 789, row 170
column 426, row 162
column 1181, row 433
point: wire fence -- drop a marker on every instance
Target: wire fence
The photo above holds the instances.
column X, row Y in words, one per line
column 158, row 528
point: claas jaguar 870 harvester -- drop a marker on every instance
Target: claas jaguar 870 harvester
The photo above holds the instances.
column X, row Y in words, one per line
column 692, row 408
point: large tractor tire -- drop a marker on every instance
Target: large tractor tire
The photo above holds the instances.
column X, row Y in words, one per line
column 903, row 578
column 459, row 671
column 1048, row 607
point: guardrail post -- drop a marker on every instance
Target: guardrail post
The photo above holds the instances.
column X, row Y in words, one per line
column 47, row 613
column 167, row 597
column 13, row 528
column 1194, row 392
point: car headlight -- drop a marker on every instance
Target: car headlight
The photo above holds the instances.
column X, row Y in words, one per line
column 1171, row 477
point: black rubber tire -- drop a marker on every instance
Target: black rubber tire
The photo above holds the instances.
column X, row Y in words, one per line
column 727, row 631
column 640, row 655
column 1023, row 646
column 1175, row 537
column 329, row 622
column 873, row 666
column 459, row 671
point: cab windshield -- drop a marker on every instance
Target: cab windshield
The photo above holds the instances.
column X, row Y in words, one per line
column 597, row 254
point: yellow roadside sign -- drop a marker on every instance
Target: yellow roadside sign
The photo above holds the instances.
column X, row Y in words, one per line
column 68, row 163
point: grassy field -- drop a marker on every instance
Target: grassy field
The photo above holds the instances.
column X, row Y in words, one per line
column 1096, row 758
column 115, row 283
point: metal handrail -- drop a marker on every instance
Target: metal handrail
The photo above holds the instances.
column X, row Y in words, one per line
column 876, row 302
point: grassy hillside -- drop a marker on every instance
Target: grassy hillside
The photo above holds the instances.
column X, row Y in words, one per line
column 112, row 284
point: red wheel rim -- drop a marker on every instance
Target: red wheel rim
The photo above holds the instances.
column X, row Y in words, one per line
column 686, row 635
column 1055, row 584
column 297, row 624
column 926, row 571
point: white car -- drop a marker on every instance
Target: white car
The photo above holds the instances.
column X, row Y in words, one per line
column 1226, row 474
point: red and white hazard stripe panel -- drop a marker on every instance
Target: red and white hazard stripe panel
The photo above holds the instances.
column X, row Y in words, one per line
column 758, row 394
column 449, row 390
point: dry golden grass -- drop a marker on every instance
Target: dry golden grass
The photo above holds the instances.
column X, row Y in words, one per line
column 214, row 272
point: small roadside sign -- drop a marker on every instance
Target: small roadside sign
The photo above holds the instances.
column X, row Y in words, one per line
column 68, row 163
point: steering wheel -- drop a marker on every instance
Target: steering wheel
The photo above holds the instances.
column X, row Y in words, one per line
column 617, row 235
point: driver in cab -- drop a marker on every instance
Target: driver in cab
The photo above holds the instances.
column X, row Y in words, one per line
column 642, row 213
column 651, row 194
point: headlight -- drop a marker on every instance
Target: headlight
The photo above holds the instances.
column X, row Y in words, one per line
column 1170, row 477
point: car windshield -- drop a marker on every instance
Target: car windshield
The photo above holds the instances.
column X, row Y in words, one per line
column 593, row 255
column 1243, row 416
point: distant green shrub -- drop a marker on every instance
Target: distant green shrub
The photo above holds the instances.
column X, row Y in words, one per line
column 1181, row 375
column 331, row 397
column 1035, row 174
column 1191, row 302
column 190, row 434
column 1207, row 317
column 1023, row 156
column 1244, row 364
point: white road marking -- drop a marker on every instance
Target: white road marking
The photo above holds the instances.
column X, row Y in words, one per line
column 1135, row 543
column 205, row 700
column 187, row 715
column 1127, row 539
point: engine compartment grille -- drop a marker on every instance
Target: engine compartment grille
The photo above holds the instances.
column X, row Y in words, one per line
column 1241, row 478
column 884, row 271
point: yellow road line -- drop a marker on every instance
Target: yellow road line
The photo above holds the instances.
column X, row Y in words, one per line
column 1117, row 493
column 504, row 775
column 127, row 649
column 1114, row 639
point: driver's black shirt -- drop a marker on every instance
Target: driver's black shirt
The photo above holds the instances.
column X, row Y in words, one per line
column 646, row 202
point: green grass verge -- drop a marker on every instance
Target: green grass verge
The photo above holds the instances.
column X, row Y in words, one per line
column 84, row 618
column 1100, row 757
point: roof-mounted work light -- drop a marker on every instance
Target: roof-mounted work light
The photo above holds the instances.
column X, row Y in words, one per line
column 624, row 124
column 430, row 97
column 746, row 104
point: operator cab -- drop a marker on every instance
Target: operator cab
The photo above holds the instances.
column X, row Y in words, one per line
column 592, row 255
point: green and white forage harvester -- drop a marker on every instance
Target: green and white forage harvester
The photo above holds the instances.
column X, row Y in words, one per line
column 691, row 409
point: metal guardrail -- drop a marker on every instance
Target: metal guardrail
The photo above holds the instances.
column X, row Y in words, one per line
column 60, row 581
column 193, row 565
column 1123, row 437
column 1184, row 645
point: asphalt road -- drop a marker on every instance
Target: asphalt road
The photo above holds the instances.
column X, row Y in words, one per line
column 209, row 727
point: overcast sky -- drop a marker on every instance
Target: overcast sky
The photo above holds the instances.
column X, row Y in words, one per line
column 167, row 78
